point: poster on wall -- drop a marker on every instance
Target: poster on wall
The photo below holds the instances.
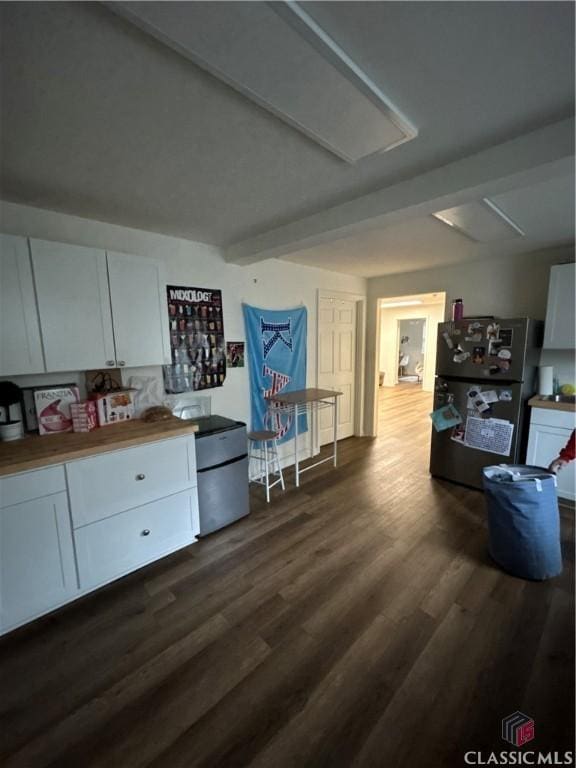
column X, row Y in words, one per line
column 196, row 339
column 276, row 352
column 235, row 354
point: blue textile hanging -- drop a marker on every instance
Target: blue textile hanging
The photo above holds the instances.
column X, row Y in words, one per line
column 523, row 520
column 276, row 352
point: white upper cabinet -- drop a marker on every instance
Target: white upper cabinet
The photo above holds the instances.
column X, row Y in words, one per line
column 559, row 330
column 20, row 345
column 99, row 309
column 137, row 293
column 74, row 306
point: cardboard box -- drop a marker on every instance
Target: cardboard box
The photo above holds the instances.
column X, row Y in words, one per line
column 53, row 409
column 114, row 407
column 84, row 416
column 30, row 417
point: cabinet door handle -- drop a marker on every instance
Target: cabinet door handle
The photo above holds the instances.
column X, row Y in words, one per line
column 140, row 476
column 121, row 362
column 146, row 532
column 110, row 362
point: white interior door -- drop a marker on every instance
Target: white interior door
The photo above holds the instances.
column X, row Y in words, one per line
column 337, row 364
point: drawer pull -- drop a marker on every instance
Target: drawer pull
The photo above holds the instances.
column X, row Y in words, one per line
column 110, row 362
column 140, row 476
column 121, row 362
column 146, row 532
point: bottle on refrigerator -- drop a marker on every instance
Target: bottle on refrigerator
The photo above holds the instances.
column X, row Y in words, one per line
column 457, row 310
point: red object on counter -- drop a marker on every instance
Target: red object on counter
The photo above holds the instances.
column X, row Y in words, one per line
column 53, row 408
column 114, row 407
column 84, row 416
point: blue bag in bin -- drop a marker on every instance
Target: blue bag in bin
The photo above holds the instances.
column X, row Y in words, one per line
column 523, row 520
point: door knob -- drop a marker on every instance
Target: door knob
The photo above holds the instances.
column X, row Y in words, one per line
column 146, row 532
column 110, row 362
column 140, row 476
column 121, row 362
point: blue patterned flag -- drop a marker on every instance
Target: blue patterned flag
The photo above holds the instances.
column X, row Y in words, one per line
column 276, row 352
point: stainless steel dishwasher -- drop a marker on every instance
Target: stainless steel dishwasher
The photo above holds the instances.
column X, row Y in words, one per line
column 222, row 463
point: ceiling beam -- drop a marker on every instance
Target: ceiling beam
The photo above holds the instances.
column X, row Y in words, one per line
column 525, row 160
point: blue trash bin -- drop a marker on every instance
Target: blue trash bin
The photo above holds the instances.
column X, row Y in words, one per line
column 523, row 520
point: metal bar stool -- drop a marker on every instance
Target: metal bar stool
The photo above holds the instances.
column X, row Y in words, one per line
column 265, row 456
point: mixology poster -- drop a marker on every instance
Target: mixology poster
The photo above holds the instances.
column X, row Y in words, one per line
column 196, row 339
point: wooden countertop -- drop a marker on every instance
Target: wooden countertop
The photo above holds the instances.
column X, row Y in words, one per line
column 35, row 451
column 536, row 402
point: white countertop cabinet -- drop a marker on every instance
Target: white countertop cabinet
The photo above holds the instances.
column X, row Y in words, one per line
column 68, row 529
column 549, row 432
column 559, row 329
column 20, row 344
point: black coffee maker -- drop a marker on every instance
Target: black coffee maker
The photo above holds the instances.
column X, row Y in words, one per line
column 11, row 408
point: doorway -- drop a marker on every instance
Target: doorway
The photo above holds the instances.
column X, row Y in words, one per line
column 406, row 354
column 411, row 350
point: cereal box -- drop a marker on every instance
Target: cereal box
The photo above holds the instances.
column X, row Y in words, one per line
column 114, row 407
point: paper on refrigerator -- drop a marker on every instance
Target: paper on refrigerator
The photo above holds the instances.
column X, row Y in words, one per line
column 491, row 435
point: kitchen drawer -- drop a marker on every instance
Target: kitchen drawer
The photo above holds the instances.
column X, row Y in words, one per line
column 102, row 486
column 551, row 418
column 120, row 544
column 15, row 489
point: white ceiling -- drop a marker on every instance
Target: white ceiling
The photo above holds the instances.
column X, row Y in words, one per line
column 545, row 212
column 102, row 121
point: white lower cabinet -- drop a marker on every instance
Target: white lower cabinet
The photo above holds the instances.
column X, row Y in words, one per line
column 126, row 508
column 117, row 545
column 37, row 569
column 549, row 432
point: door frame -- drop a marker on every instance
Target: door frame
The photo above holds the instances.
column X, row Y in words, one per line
column 359, row 301
column 372, row 391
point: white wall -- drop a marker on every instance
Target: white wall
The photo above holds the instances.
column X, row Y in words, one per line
column 272, row 284
column 516, row 286
column 434, row 314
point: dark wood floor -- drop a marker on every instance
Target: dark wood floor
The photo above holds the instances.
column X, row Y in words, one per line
column 354, row 622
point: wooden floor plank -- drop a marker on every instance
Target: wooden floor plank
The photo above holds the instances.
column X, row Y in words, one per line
column 355, row 621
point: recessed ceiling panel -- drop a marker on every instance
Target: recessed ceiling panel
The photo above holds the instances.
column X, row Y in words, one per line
column 544, row 210
column 278, row 56
column 481, row 220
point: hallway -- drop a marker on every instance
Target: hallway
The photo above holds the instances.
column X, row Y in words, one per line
column 404, row 425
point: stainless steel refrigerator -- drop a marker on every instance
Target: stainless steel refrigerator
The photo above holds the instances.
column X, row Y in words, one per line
column 222, row 463
column 486, row 368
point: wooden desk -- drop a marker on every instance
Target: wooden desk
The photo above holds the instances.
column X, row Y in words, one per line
column 303, row 401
